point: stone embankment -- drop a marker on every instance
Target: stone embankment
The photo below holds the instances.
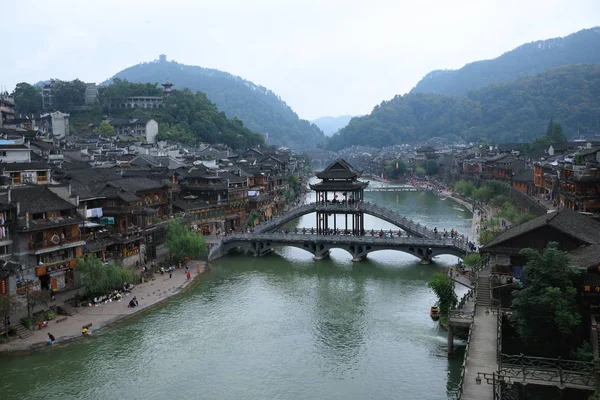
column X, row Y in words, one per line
column 67, row 329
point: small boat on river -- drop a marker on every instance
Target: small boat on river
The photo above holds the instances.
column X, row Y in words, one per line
column 435, row 313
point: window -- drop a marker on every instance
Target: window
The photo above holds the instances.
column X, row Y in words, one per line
column 37, row 216
column 2, row 154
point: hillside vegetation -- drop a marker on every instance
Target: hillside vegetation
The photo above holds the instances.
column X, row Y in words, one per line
column 517, row 111
column 260, row 109
column 582, row 47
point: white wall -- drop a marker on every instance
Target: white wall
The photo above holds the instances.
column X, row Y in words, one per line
column 15, row 156
column 151, row 131
column 60, row 124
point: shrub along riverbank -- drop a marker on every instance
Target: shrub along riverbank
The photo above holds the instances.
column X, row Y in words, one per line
column 496, row 195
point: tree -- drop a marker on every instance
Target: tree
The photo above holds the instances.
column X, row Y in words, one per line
column 545, row 309
column 396, row 169
column 35, row 298
column 8, row 304
column 442, row 286
column 182, row 242
column 28, row 98
column 431, row 167
column 420, row 171
column 557, row 134
column 68, row 94
column 472, row 260
column 98, row 279
column 465, row 188
column 105, row 129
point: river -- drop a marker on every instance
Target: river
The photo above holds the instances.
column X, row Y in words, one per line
column 278, row 327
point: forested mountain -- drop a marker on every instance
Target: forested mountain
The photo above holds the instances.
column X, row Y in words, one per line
column 582, row 47
column 330, row 125
column 259, row 108
column 517, row 111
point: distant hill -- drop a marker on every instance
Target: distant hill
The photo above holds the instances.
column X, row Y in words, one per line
column 582, row 47
column 517, row 111
column 330, row 125
column 260, row 109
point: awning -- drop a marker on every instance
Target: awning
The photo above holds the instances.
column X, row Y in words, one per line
column 108, row 220
column 88, row 224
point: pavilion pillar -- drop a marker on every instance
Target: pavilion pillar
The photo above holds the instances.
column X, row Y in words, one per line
column 334, row 222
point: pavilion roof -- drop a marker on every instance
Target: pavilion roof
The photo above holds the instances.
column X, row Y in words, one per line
column 339, row 169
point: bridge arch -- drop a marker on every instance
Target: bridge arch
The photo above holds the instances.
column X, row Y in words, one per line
column 407, row 225
column 319, row 246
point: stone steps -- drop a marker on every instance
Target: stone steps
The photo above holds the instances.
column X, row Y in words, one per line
column 23, row 332
column 66, row 309
column 484, row 298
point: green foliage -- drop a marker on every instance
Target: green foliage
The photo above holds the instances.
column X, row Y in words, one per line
column 472, row 260
column 513, row 112
column 27, row 322
column 113, row 95
column 50, row 316
column 465, row 188
column 555, row 133
column 484, row 193
column 105, row 129
column 260, row 109
column 395, row 169
column 511, row 213
column 498, row 200
column 190, row 117
column 67, row 94
column 28, row 98
column 182, row 242
column 585, row 353
column 487, row 236
column 253, row 218
column 528, row 59
column 443, row 288
column 545, row 310
column 8, row 304
column 420, row 171
column 99, row 279
column 431, row 167
column 295, row 185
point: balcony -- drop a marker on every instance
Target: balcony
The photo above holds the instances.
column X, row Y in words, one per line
column 47, row 246
column 36, row 224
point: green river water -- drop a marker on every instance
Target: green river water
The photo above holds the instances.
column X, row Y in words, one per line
column 278, row 327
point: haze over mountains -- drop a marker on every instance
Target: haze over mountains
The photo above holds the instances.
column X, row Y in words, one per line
column 330, row 125
column 487, row 100
column 529, row 59
column 258, row 107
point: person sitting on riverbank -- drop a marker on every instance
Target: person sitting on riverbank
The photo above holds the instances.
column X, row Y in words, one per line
column 84, row 331
column 133, row 302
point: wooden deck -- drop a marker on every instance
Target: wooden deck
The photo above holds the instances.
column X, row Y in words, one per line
column 482, row 356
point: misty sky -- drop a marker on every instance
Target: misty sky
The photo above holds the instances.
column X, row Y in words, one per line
column 329, row 57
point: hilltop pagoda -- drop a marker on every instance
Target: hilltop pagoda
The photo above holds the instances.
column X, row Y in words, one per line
column 338, row 191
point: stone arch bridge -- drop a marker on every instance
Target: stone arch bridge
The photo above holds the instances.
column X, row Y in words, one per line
column 410, row 227
column 320, row 245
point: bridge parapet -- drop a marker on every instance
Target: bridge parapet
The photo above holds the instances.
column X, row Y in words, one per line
column 386, row 214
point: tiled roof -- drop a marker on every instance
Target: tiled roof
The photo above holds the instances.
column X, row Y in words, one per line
column 566, row 221
column 37, row 199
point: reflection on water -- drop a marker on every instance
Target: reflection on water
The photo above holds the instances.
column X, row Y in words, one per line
column 277, row 327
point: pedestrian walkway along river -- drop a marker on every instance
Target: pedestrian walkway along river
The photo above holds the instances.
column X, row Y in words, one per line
column 277, row 327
